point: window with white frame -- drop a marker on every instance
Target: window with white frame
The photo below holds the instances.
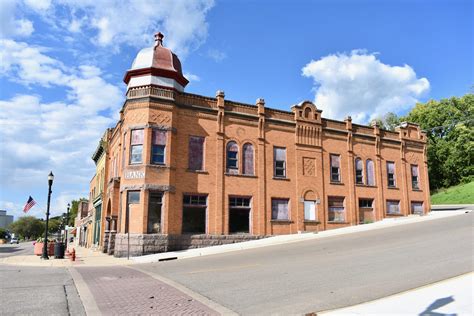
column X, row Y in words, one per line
column 158, row 144
column 391, row 181
column 335, row 168
column 136, row 146
column 232, row 162
column 279, row 162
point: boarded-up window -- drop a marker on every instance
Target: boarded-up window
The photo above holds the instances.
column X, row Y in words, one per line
column 280, row 209
column 393, row 207
column 414, row 177
column 391, row 174
column 196, row 153
column 248, row 165
column 232, row 157
column 417, row 208
column 158, row 143
column 335, row 168
column 336, row 210
column 359, row 166
column 279, row 162
column 370, row 170
column 136, row 146
column 309, row 210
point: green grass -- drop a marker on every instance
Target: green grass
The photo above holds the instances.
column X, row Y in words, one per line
column 459, row 194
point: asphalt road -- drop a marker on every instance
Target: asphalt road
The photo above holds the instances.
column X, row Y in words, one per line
column 23, row 249
column 316, row 275
column 38, row 291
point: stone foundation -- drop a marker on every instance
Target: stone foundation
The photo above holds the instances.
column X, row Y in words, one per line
column 145, row 244
column 106, row 241
column 111, row 243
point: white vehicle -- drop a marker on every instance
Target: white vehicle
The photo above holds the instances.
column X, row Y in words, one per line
column 14, row 240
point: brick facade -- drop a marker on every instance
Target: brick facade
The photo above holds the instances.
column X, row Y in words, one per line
column 291, row 153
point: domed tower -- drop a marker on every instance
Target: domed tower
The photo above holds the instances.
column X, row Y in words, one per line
column 156, row 66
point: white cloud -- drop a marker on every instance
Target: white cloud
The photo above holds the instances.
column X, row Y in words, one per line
column 132, row 22
column 216, row 55
column 39, row 136
column 192, row 77
column 360, row 85
column 10, row 24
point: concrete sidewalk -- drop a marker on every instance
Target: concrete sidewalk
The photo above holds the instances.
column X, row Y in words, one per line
column 449, row 297
column 284, row 239
column 84, row 257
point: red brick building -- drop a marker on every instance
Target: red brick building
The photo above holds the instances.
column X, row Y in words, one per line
column 186, row 170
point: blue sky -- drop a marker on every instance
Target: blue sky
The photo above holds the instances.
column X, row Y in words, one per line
column 62, row 64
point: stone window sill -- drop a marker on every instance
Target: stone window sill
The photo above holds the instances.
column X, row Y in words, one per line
column 392, row 188
column 197, row 171
column 339, row 223
column 336, row 183
column 281, row 178
column 395, row 215
column 417, row 190
column 281, row 221
column 307, row 221
column 157, row 165
column 365, row 185
column 240, row 175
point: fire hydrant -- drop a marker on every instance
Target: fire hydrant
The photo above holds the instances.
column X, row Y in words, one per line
column 73, row 254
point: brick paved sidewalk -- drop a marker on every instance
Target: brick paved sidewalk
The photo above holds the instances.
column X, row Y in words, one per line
column 124, row 291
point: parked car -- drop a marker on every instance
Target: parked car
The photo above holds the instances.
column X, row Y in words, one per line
column 14, row 240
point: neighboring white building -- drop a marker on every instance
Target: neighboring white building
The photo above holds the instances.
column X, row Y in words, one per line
column 5, row 219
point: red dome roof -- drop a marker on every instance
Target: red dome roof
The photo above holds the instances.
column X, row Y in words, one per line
column 157, row 61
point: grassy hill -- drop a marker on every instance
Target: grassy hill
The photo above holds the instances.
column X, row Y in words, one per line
column 459, row 194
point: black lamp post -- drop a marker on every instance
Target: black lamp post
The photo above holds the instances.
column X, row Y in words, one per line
column 45, row 244
column 67, row 222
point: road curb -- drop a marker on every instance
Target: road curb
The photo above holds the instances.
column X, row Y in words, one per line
column 88, row 301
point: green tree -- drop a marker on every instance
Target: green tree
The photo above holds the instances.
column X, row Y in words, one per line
column 28, row 227
column 390, row 121
column 3, row 233
column 449, row 125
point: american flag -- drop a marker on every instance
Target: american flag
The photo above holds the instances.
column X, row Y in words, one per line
column 29, row 204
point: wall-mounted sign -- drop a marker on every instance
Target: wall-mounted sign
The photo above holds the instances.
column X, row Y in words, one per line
column 134, row 175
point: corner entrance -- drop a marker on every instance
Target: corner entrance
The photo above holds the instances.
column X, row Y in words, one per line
column 239, row 215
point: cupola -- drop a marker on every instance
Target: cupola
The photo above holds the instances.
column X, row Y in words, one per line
column 157, row 66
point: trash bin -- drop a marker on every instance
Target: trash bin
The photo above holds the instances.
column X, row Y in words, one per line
column 59, row 250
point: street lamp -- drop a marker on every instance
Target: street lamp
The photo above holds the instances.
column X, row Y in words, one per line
column 67, row 220
column 45, row 244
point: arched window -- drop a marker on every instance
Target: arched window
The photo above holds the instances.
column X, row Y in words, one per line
column 369, row 169
column 247, row 157
column 359, row 165
column 232, row 157
column 307, row 113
